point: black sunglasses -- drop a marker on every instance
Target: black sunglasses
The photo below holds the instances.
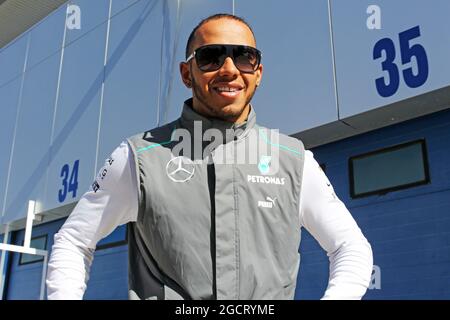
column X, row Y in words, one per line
column 211, row 57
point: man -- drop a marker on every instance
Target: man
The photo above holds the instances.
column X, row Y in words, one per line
column 200, row 224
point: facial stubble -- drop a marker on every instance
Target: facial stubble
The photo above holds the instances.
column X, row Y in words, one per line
column 214, row 112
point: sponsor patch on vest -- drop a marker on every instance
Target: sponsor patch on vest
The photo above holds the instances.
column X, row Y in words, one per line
column 180, row 169
column 95, row 186
column 264, row 164
column 270, row 203
column 265, row 179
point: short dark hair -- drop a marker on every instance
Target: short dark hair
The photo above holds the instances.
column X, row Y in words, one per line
column 210, row 18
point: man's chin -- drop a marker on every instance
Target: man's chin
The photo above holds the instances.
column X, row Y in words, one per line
column 222, row 110
column 230, row 112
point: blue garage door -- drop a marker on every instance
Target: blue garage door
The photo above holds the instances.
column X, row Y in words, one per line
column 109, row 271
column 108, row 277
column 24, row 273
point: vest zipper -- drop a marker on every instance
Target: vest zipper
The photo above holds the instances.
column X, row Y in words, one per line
column 212, row 195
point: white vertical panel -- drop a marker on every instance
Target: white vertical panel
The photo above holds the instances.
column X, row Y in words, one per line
column 31, row 152
column 46, row 37
column 190, row 13
column 355, row 42
column 9, row 95
column 87, row 15
column 74, row 139
column 131, row 75
column 12, row 58
column 297, row 88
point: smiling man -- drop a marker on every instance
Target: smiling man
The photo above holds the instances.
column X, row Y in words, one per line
column 200, row 227
column 222, row 87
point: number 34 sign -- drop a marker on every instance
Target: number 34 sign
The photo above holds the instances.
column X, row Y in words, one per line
column 69, row 181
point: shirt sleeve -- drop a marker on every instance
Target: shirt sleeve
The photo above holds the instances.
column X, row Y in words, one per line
column 112, row 200
column 328, row 220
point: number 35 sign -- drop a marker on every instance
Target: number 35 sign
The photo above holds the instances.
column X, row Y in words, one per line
column 387, row 51
column 388, row 85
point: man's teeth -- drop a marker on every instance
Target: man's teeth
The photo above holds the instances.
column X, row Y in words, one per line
column 226, row 89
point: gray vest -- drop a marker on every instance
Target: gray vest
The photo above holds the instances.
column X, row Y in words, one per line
column 218, row 223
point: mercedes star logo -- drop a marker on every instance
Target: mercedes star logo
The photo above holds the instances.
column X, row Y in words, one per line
column 180, row 169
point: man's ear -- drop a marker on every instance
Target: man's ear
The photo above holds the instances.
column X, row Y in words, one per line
column 185, row 74
column 259, row 73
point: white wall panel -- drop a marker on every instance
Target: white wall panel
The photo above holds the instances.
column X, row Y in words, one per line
column 297, row 90
column 74, row 139
column 12, row 59
column 9, row 96
column 132, row 75
column 46, row 37
column 31, row 152
column 425, row 54
column 83, row 16
column 173, row 91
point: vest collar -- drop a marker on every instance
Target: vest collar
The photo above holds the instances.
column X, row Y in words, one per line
column 230, row 131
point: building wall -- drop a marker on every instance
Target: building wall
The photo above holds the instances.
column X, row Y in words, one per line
column 24, row 281
column 108, row 275
column 69, row 96
column 409, row 230
column 94, row 72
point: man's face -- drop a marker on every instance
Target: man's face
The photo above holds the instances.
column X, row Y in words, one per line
column 209, row 96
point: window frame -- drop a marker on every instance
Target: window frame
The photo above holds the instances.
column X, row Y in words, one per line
column 41, row 258
column 384, row 191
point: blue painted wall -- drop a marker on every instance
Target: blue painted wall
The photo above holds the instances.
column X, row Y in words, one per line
column 409, row 230
column 24, row 281
column 108, row 276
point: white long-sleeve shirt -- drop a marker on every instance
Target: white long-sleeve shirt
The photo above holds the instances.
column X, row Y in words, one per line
column 98, row 213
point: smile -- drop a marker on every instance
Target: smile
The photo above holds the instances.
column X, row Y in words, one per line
column 228, row 91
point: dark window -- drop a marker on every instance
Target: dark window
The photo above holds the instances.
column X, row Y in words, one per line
column 389, row 169
column 117, row 238
column 35, row 243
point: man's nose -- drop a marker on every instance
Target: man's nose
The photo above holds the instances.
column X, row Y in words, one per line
column 228, row 67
